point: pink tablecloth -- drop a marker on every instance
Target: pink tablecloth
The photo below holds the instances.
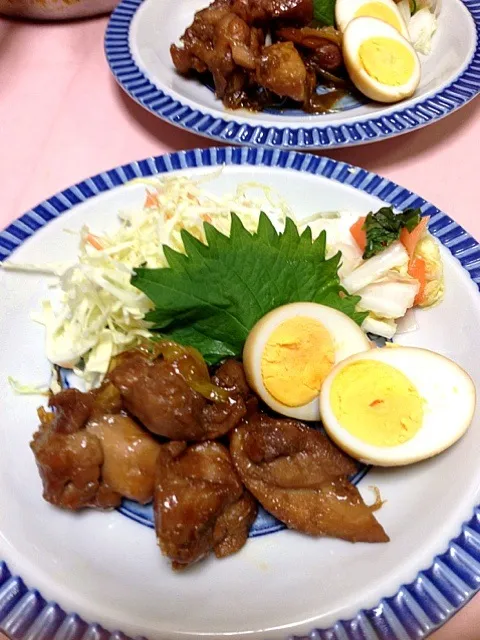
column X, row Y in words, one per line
column 62, row 118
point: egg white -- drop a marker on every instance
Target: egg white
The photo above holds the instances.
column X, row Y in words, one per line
column 346, row 10
column 357, row 32
column 449, row 395
column 347, row 337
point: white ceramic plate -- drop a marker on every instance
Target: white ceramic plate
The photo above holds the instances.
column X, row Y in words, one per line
column 137, row 46
column 107, row 568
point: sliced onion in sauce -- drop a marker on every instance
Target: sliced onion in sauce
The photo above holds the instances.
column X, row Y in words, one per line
column 189, row 363
column 310, row 37
column 333, row 79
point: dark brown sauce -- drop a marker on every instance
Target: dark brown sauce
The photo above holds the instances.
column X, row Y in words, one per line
column 317, row 104
column 259, row 100
column 325, row 102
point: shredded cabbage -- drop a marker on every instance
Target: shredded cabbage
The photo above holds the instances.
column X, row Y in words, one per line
column 27, row 389
column 94, row 312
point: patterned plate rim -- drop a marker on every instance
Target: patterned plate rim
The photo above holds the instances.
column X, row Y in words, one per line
column 136, row 84
column 418, row 608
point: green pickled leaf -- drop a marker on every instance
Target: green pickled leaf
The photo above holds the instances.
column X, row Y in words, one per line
column 383, row 228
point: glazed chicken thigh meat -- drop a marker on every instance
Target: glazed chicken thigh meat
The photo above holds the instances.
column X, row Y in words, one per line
column 163, row 429
column 258, row 51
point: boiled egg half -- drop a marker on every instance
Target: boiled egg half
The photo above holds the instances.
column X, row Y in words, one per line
column 291, row 350
column 381, row 63
column 386, row 10
column 396, row 406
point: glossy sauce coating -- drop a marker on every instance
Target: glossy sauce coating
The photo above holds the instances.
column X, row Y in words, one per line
column 301, row 478
column 262, row 52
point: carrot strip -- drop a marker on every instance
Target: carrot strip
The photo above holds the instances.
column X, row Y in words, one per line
column 91, row 239
column 410, row 239
column 151, row 200
column 359, row 233
column 417, row 269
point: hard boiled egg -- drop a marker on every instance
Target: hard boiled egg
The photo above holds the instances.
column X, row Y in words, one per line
column 290, row 352
column 395, row 406
column 386, row 10
column 381, row 63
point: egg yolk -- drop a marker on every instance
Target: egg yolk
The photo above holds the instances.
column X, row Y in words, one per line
column 381, row 12
column 376, row 403
column 297, row 358
column 387, row 60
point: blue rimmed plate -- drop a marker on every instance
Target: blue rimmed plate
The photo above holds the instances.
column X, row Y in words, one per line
column 106, row 567
column 137, row 44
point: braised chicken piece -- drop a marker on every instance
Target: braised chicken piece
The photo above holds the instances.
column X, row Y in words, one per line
column 160, row 397
column 89, row 458
column 261, row 53
column 281, row 70
column 301, row 478
column 262, row 12
column 200, row 503
column 69, row 458
column 325, row 43
column 233, row 525
column 73, row 408
column 221, row 42
column 231, row 376
column 129, row 456
column 292, row 455
column 310, row 37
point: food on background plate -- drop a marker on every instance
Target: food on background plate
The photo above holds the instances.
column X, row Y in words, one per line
column 259, row 53
column 421, row 18
column 385, row 10
column 415, row 20
column 381, row 63
column 307, row 53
